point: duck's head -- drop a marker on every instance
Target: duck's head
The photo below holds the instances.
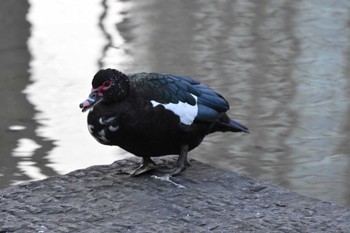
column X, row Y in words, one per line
column 108, row 86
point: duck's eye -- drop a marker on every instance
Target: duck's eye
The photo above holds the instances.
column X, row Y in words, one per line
column 106, row 84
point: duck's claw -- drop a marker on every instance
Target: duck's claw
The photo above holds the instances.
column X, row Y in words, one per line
column 181, row 165
column 147, row 165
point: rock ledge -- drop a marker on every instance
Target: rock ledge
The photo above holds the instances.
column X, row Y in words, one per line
column 201, row 199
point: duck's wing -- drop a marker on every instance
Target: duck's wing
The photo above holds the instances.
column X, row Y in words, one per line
column 180, row 94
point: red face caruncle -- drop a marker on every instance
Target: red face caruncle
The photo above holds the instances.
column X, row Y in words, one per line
column 105, row 86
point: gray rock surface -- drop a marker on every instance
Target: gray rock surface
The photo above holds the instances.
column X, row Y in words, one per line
column 201, row 199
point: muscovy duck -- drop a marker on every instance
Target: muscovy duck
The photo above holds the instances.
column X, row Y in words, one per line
column 153, row 114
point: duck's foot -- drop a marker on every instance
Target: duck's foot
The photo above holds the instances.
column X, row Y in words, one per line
column 181, row 165
column 147, row 165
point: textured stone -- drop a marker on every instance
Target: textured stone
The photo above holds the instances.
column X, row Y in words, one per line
column 201, row 199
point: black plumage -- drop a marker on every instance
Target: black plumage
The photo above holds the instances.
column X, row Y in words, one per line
column 152, row 114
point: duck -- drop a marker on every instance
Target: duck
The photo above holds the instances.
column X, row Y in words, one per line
column 155, row 114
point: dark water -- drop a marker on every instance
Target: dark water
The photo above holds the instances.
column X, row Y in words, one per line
column 282, row 65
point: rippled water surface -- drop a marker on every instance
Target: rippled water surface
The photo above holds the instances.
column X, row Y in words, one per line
column 282, row 65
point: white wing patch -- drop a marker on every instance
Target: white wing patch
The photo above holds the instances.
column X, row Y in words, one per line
column 185, row 111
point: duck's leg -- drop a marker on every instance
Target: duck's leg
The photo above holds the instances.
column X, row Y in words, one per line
column 182, row 162
column 147, row 165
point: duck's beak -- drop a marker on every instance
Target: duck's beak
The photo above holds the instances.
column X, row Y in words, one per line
column 92, row 100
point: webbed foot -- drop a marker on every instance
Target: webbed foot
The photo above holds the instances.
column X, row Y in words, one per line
column 181, row 165
column 147, row 165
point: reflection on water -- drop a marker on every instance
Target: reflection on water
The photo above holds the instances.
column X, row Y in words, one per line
column 65, row 53
column 281, row 64
column 17, row 113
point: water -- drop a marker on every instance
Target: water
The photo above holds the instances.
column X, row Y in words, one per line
column 282, row 65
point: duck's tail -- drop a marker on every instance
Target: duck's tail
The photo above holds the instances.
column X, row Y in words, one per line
column 237, row 127
column 224, row 123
